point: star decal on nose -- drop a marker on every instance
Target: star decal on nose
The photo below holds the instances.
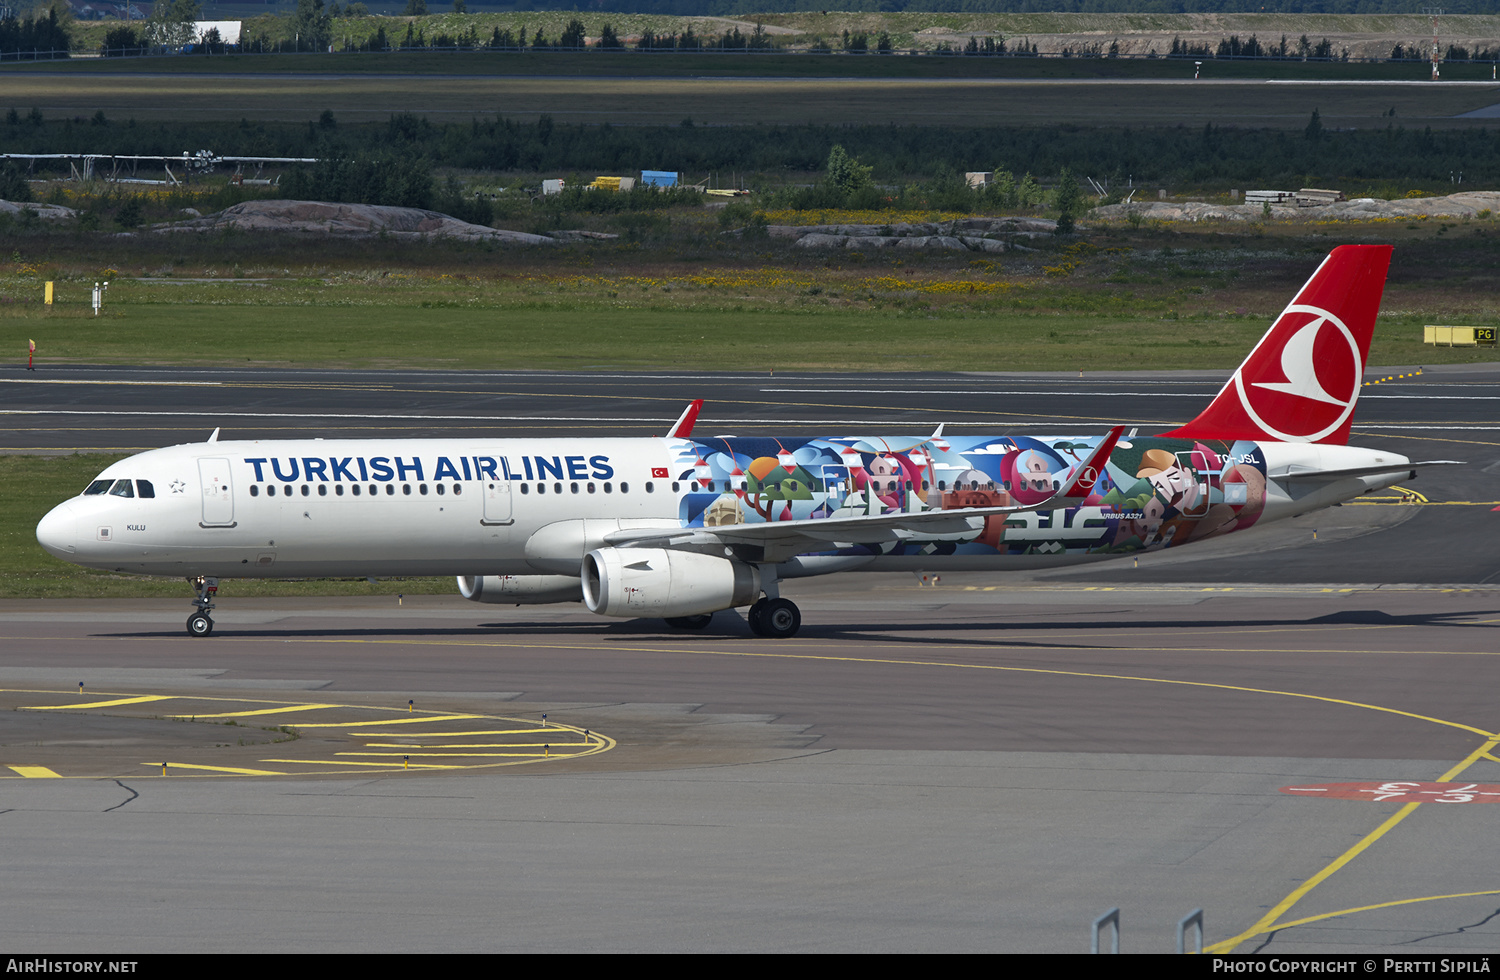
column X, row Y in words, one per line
column 178, row 486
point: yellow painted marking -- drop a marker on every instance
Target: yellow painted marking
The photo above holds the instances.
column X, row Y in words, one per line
column 100, row 704
column 1267, row 921
column 384, row 721
column 939, row 663
column 1383, row 905
column 1396, row 502
column 238, row 772
column 349, row 762
column 261, row 711
column 34, row 772
column 497, row 731
column 448, row 755
column 595, row 744
column 471, row 745
column 1426, row 438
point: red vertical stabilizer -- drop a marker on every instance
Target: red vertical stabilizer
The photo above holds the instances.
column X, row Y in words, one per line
column 1301, row 381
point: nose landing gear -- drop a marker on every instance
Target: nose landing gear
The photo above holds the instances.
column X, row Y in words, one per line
column 199, row 623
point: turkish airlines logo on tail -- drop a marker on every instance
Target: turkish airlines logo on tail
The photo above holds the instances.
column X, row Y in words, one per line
column 1308, row 388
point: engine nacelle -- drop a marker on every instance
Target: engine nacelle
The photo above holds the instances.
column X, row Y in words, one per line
column 640, row 582
column 519, row 590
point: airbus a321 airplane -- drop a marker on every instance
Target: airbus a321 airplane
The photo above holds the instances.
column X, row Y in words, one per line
column 681, row 527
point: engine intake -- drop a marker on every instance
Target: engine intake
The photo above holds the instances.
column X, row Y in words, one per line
column 639, row 582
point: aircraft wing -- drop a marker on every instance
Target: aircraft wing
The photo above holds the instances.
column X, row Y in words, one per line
column 783, row 539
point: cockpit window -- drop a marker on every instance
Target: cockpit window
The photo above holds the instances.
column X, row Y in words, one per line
column 144, row 488
column 97, row 487
column 122, row 488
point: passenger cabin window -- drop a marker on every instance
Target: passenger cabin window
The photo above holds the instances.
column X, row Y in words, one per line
column 97, row 487
column 122, row 488
column 254, row 490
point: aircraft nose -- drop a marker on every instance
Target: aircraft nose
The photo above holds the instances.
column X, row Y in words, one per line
column 58, row 531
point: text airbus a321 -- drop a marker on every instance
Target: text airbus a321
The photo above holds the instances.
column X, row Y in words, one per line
column 680, row 527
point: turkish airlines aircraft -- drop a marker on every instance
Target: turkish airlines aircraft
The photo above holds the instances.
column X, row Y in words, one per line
column 680, row 527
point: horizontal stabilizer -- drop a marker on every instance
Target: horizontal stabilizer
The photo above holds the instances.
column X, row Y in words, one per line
column 1310, row 474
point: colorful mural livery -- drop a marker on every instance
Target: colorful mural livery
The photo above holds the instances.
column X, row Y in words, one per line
column 1153, row 493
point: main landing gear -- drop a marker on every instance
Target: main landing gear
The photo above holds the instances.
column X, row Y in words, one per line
column 777, row 619
column 199, row 623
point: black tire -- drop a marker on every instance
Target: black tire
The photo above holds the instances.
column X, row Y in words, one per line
column 199, row 624
column 780, row 619
column 690, row 622
column 753, row 616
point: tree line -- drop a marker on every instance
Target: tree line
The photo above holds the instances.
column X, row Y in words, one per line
column 395, row 159
column 40, row 32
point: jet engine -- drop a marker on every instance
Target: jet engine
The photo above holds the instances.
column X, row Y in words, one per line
column 640, row 582
column 519, row 590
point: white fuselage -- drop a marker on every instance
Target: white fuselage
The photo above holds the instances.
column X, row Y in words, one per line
column 306, row 508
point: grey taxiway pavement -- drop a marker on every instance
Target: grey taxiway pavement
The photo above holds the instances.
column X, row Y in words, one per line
column 1296, row 734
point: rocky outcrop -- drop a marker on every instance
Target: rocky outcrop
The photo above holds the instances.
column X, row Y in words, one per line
column 1467, row 204
column 47, row 212
column 351, row 220
column 962, row 235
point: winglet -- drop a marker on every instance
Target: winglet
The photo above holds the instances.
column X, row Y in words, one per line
column 214, row 437
column 1086, row 474
column 683, row 427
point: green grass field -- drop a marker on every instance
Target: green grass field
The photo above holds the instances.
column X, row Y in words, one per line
column 804, row 319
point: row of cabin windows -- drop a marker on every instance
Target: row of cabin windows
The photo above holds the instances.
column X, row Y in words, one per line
column 143, row 488
column 584, row 487
column 121, row 488
column 355, row 489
